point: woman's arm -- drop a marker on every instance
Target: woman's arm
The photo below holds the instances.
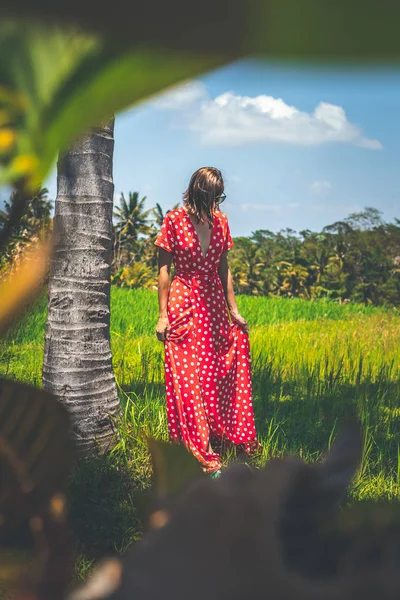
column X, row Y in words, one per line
column 227, row 284
column 164, row 269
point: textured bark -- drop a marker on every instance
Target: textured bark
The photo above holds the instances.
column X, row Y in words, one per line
column 77, row 366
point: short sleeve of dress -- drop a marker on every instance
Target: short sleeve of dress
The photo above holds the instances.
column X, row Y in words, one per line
column 166, row 237
column 228, row 242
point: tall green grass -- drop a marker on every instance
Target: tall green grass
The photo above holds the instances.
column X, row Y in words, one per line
column 313, row 364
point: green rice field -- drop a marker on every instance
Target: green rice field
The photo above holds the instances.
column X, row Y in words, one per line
column 314, row 363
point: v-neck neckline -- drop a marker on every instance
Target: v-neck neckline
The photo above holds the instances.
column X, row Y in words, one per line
column 204, row 256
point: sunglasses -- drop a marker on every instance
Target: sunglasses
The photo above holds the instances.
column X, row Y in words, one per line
column 220, row 199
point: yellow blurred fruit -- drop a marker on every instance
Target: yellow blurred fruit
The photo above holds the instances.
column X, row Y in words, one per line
column 7, row 139
column 25, row 164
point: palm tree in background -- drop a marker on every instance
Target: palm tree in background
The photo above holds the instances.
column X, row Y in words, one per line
column 159, row 214
column 246, row 265
column 35, row 223
column 132, row 222
column 292, row 280
column 150, row 251
column 38, row 217
column 135, row 256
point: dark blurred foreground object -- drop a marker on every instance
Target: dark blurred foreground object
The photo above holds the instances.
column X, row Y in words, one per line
column 35, row 460
column 344, row 30
column 276, row 533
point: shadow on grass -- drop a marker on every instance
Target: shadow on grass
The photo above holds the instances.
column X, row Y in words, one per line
column 305, row 423
column 109, row 494
column 106, row 505
column 304, row 418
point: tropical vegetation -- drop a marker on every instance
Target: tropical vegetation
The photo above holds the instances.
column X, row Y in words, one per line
column 356, row 259
column 35, row 224
column 56, row 83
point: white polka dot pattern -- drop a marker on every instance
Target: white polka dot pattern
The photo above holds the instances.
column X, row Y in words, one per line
column 207, row 358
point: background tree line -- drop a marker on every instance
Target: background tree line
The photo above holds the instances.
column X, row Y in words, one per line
column 356, row 259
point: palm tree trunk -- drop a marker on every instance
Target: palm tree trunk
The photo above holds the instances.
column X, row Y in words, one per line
column 77, row 361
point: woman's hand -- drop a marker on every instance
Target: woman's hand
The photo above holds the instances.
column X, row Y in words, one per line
column 162, row 329
column 238, row 319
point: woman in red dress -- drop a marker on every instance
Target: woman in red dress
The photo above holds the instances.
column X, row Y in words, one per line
column 207, row 354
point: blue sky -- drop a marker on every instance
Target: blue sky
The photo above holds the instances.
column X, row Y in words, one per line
column 299, row 147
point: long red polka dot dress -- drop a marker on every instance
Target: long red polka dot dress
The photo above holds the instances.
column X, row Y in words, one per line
column 207, row 358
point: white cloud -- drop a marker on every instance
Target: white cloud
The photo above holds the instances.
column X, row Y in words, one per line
column 321, row 188
column 181, row 97
column 230, row 119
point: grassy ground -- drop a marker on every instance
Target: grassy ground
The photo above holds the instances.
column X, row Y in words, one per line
column 313, row 364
